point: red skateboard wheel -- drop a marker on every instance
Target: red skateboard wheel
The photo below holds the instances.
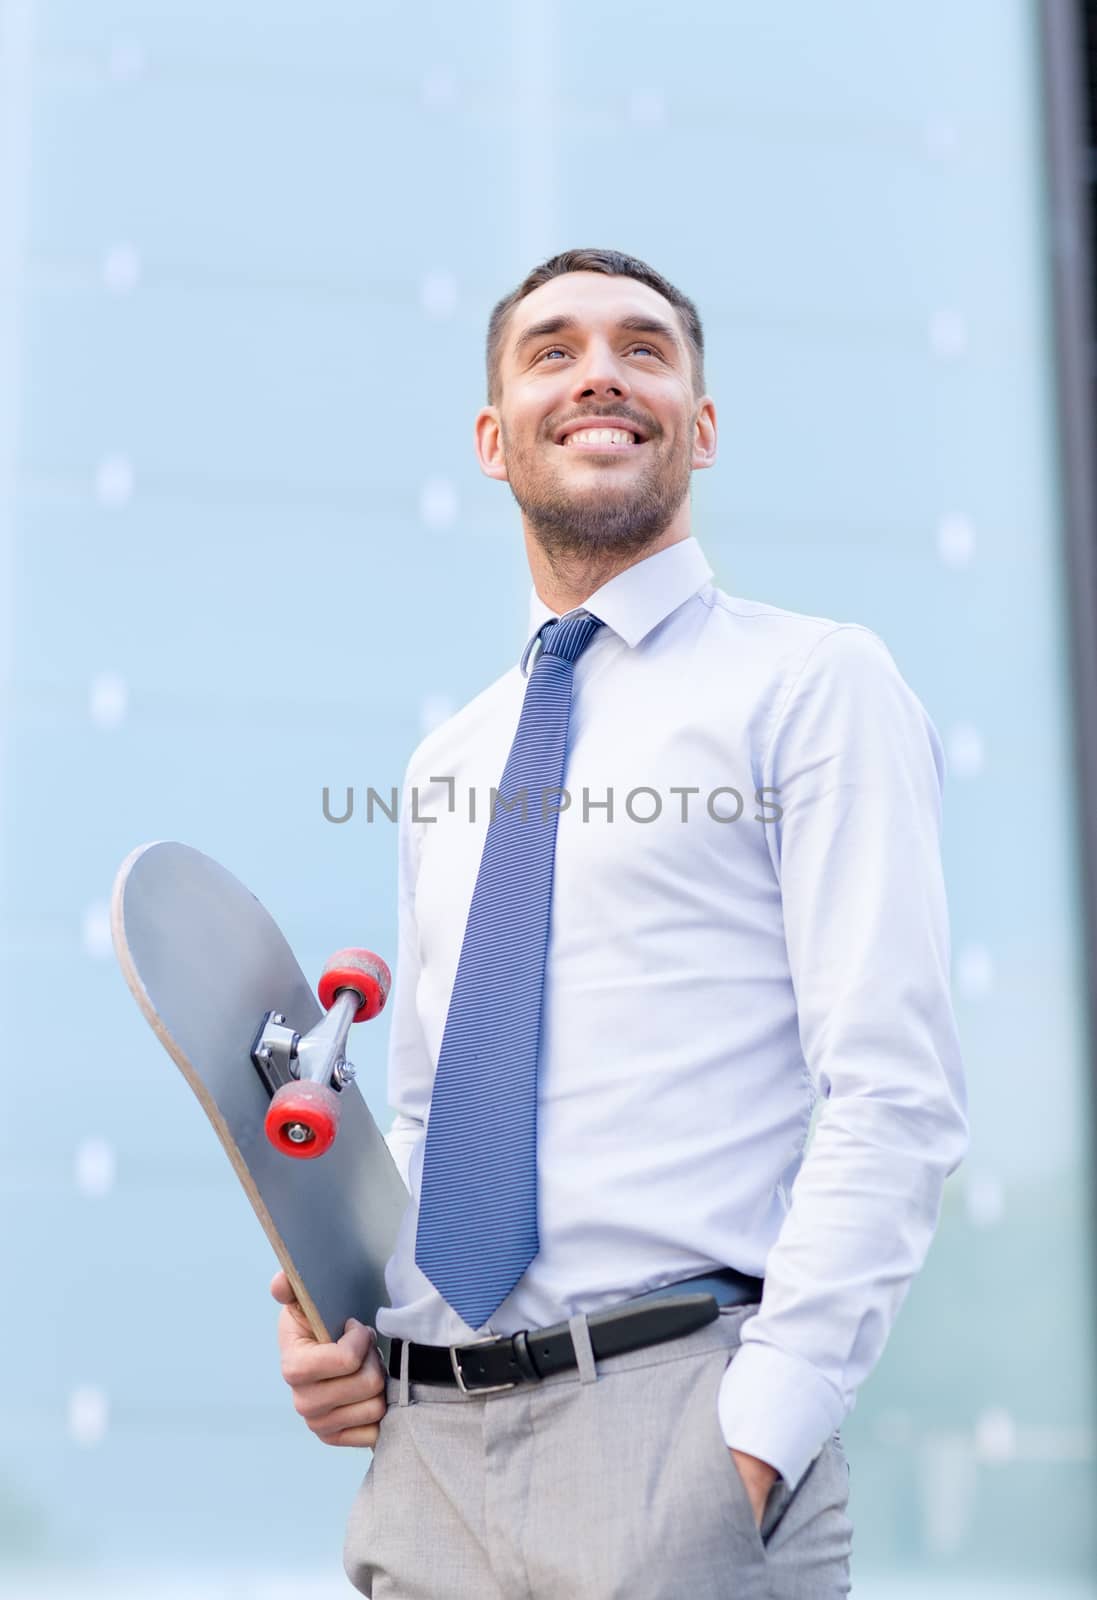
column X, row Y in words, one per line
column 356, row 969
column 303, row 1119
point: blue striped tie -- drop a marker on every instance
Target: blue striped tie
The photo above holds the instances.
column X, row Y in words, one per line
column 478, row 1202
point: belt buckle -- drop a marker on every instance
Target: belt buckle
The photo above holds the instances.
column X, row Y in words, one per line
column 486, row 1388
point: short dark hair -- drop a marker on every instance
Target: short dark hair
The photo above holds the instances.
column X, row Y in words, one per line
column 613, row 263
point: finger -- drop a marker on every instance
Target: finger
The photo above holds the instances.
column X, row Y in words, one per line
column 294, row 1331
column 282, row 1290
column 344, row 1417
column 364, row 1438
column 314, row 1399
column 304, row 1360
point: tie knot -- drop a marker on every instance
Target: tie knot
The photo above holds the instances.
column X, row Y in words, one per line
column 569, row 636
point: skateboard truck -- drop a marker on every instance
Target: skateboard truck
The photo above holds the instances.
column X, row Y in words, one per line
column 305, row 1075
column 277, row 1049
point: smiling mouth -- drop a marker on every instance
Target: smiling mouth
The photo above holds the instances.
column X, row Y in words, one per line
column 602, row 449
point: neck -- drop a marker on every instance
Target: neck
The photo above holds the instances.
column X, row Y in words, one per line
column 566, row 582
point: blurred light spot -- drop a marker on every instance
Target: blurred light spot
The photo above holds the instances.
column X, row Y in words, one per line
column 941, row 138
column 995, row 1435
column 438, row 503
column 975, row 970
column 95, row 1167
column 965, row 751
column 127, row 59
column 88, row 1415
column 108, row 699
column 433, row 709
column 986, row 1199
column 114, row 481
column 438, row 294
column 439, row 86
column 955, row 540
column 96, row 931
column 121, row 268
column 647, row 105
column 948, row 333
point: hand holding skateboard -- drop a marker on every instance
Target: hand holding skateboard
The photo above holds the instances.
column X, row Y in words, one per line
column 338, row 1389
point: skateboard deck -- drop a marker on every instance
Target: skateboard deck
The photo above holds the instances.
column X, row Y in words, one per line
column 206, row 964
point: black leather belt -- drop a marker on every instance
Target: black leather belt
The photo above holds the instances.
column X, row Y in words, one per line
column 504, row 1360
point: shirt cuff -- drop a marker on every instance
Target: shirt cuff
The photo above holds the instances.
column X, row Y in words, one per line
column 776, row 1406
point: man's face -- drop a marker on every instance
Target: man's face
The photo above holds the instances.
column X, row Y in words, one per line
column 569, row 356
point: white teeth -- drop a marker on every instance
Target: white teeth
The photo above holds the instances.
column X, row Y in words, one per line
column 601, row 436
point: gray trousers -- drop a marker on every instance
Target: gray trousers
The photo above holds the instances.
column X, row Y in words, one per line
column 611, row 1481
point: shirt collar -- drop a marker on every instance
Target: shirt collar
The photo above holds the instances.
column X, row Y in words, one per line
column 634, row 601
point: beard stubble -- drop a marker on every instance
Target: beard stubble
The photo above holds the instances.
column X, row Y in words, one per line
column 607, row 511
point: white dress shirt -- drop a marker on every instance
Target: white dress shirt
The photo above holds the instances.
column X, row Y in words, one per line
column 709, row 976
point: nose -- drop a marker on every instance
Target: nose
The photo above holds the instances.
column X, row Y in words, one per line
column 600, row 373
column 608, row 384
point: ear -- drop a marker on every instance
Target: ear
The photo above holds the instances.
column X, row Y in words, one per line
column 704, row 433
column 489, row 443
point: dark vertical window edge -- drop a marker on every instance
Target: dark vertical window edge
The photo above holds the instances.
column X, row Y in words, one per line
column 1068, row 68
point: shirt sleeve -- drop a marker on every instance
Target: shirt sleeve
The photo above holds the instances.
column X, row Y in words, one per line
column 410, row 1070
column 858, row 767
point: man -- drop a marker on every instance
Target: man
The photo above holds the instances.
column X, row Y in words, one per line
column 614, row 1015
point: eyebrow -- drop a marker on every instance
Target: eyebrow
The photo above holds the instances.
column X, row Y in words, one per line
column 562, row 324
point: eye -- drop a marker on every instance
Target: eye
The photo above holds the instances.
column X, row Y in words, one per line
column 559, row 350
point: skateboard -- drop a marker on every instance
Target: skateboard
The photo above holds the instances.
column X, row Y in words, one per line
column 219, row 985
